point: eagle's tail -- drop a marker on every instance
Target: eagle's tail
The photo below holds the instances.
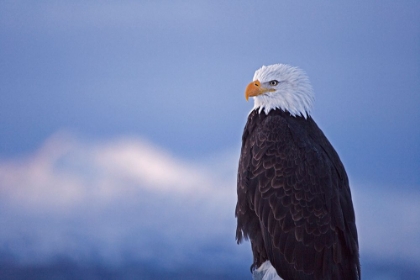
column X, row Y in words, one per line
column 265, row 272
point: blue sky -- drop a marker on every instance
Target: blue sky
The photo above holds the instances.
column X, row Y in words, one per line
column 78, row 78
column 174, row 72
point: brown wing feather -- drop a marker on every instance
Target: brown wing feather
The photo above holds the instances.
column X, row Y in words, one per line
column 294, row 202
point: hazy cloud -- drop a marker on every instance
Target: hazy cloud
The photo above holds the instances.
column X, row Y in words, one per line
column 111, row 201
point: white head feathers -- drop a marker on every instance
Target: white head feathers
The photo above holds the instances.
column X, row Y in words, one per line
column 290, row 90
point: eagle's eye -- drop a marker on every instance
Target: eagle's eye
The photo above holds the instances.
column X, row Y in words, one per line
column 273, row 83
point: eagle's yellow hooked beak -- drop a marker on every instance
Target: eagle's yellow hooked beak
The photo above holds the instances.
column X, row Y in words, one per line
column 254, row 88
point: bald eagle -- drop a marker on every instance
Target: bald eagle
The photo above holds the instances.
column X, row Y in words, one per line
column 294, row 201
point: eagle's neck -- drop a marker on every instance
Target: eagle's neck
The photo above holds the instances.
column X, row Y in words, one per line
column 298, row 103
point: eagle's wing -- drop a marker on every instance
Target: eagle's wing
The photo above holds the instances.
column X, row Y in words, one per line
column 296, row 185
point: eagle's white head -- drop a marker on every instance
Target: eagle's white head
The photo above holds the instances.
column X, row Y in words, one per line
column 281, row 86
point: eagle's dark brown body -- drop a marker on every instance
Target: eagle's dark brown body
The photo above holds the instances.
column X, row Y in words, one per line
column 294, row 200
